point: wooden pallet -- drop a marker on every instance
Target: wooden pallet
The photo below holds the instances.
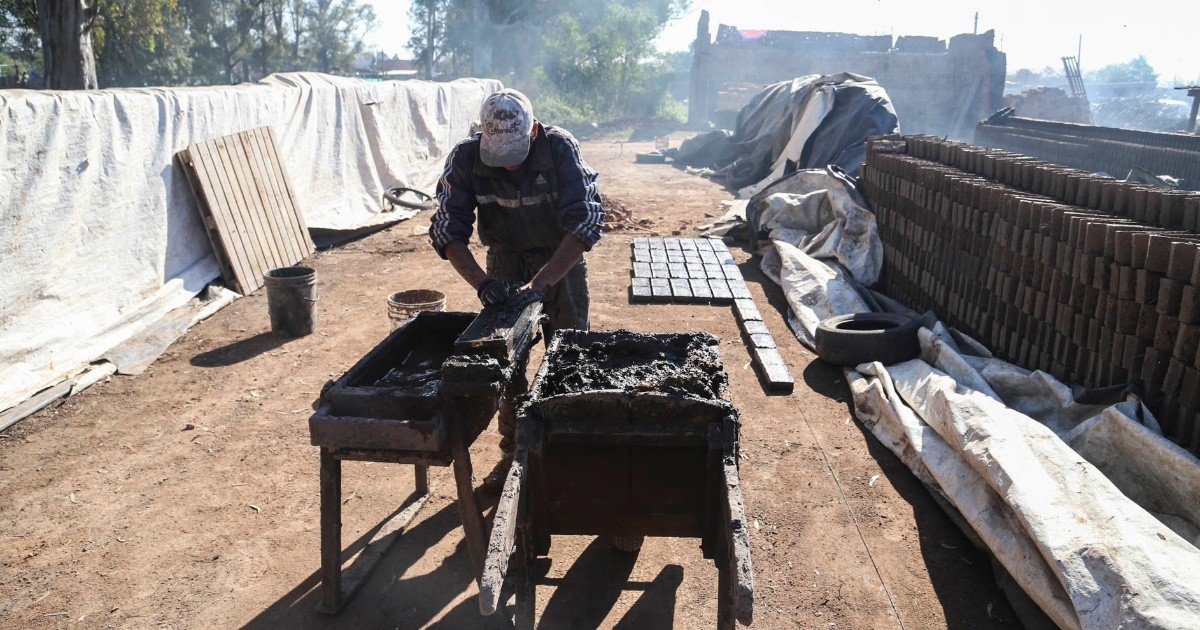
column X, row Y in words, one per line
column 248, row 205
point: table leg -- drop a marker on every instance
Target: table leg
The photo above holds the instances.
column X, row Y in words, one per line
column 526, row 590
column 331, row 532
column 725, row 618
column 422, row 474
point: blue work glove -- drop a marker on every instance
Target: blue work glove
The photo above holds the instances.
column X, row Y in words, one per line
column 494, row 292
column 524, row 298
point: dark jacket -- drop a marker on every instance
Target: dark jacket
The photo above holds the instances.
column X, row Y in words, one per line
column 552, row 195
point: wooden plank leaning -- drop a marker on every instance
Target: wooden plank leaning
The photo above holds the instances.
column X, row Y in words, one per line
column 506, row 524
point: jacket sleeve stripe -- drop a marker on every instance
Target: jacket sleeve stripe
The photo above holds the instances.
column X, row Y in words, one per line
column 455, row 217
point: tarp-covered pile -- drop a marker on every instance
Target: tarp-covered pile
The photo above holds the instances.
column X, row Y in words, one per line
column 821, row 243
column 1087, row 507
column 809, row 122
column 98, row 229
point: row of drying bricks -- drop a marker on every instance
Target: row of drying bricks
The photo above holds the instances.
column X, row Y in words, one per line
column 685, row 270
column 1158, row 207
column 702, row 271
column 1021, row 270
column 1114, row 298
column 1091, row 153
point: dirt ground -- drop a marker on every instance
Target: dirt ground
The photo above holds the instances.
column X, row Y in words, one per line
column 187, row 497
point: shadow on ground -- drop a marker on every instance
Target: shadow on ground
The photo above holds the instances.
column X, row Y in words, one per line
column 582, row 598
column 389, row 598
column 238, row 351
column 950, row 558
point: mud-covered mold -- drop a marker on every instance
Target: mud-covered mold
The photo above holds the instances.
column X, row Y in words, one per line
column 679, row 364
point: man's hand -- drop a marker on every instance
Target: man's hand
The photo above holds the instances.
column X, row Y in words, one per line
column 524, row 297
column 493, row 292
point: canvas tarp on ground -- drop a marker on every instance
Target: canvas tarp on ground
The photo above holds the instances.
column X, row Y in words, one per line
column 820, row 240
column 100, row 236
column 1092, row 512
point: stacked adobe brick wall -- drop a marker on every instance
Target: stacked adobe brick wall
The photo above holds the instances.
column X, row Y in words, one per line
column 1097, row 149
column 1093, row 280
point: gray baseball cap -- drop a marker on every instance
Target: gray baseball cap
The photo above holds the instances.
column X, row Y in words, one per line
column 507, row 121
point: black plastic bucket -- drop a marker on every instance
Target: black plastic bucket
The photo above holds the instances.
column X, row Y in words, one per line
column 292, row 300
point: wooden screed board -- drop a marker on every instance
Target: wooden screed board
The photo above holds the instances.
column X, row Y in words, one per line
column 248, row 205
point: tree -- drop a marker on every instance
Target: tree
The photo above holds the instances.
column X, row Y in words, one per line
column 67, row 61
column 1136, row 70
column 602, row 62
column 65, row 27
column 444, row 35
column 142, row 43
column 198, row 42
column 594, row 56
column 336, row 29
column 19, row 33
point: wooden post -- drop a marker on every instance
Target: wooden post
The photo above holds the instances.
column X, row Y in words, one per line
column 737, row 578
column 725, row 619
column 529, row 438
column 526, row 590
column 504, row 531
column 1195, row 94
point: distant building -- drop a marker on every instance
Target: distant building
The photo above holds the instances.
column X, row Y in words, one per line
column 937, row 87
column 380, row 66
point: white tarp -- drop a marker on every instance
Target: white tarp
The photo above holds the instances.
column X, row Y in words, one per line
column 811, row 218
column 99, row 236
column 823, row 215
column 1102, row 536
column 808, row 122
column 814, row 291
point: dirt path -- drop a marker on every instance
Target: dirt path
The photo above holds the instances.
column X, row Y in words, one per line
column 187, row 497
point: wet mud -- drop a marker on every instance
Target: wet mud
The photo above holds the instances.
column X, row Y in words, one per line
column 684, row 364
column 423, row 375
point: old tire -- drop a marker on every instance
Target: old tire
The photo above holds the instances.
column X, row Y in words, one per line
column 650, row 157
column 851, row 340
column 397, row 197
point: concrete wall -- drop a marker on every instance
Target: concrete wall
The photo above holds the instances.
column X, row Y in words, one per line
column 937, row 88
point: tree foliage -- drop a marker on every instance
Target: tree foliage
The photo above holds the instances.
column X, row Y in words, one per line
column 595, row 58
column 199, row 42
column 1136, row 70
column 19, row 33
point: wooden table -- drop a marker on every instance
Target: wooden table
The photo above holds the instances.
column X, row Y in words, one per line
column 444, row 376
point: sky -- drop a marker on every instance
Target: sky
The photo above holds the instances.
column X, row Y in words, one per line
column 1033, row 34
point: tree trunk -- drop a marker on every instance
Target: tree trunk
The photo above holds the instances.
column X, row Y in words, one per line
column 430, row 42
column 66, row 30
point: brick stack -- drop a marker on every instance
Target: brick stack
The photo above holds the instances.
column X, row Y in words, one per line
column 1093, row 148
column 1093, row 280
column 702, row 271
